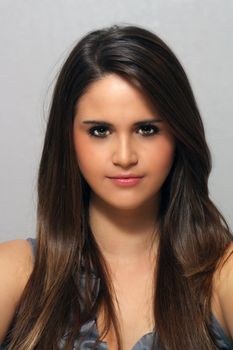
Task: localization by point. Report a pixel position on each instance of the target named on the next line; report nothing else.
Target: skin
(127, 214)
(123, 219)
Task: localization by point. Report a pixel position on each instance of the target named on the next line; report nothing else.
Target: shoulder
(17, 256)
(16, 264)
(225, 287)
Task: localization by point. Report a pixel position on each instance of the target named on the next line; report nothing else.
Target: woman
(130, 251)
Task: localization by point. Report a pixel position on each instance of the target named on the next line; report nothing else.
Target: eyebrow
(102, 122)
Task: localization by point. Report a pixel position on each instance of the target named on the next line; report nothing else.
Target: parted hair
(193, 233)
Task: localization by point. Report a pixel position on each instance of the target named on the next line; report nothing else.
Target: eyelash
(155, 128)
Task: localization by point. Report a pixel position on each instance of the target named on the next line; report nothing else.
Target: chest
(134, 309)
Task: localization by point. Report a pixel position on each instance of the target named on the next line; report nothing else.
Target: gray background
(35, 38)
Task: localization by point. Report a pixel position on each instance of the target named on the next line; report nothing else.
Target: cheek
(163, 156)
(81, 149)
(85, 155)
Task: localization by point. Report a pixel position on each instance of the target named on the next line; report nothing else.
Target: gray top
(144, 343)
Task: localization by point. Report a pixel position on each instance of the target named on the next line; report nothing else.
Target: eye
(150, 129)
(100, 131)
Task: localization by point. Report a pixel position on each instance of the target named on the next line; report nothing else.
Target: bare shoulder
(16, 256)
(225, 288)
(16, 264)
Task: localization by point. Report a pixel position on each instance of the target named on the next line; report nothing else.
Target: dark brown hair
(193, 233)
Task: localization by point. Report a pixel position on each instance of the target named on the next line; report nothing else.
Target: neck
(124, 235)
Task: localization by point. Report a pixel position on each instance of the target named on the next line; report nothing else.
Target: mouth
(126, 181)
(125, 176)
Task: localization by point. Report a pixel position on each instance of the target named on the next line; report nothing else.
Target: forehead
(114, 96)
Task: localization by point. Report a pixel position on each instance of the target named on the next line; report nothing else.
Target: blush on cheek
(81, 145)
(166, 155)
(166, 166)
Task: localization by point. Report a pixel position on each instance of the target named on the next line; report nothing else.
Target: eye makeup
(100, 130)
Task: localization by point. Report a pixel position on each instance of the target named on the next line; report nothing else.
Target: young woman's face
(113, 137)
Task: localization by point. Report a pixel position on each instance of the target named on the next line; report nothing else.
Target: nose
(124, 153)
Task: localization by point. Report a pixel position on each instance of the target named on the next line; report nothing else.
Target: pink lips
(126, 181)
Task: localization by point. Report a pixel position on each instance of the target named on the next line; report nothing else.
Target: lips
(124, 176)
(125, 181)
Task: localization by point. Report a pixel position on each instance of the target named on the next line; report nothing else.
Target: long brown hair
(193, 233)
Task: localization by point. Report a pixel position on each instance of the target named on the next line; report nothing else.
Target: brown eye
(149, 130)
(101, 130)
(98, 131)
